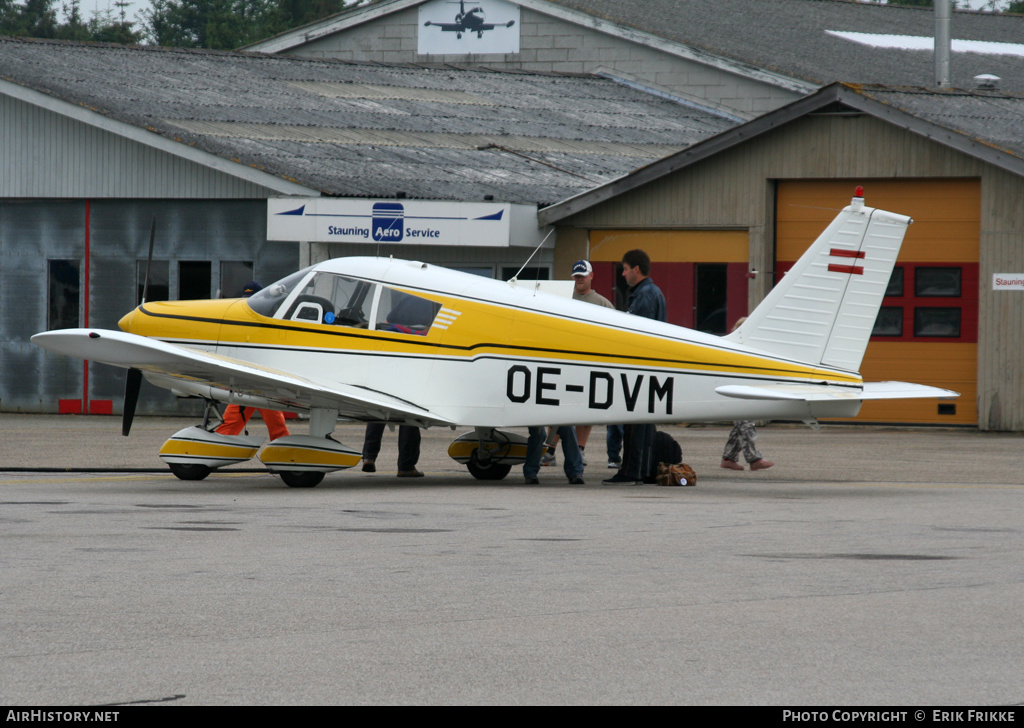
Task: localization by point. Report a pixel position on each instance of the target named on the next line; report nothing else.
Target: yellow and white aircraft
(379, 339)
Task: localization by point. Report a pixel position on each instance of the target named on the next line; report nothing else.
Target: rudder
(824, 309)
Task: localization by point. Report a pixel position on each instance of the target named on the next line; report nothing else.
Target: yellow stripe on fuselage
(481, 329)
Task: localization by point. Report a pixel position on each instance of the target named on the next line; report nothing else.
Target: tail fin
(824, 309)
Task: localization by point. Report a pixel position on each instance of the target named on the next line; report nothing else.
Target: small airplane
(404, 342)
(471, 21)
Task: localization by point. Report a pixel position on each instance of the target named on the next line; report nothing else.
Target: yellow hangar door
(927, 329)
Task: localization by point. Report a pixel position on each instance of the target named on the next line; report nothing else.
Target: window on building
(620, 293)
(194, 279)
(938, 321)
(895, 287)
(234, 274)
(710, 297)
(889, 321)
(929, 302)
(937, 282)
(484, 271)
(159, 280)
(529, 273)
(63, 293)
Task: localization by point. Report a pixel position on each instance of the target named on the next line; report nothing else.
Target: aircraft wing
(195, 372)
(823, 392)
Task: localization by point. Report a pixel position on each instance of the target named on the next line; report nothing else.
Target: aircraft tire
(301, 478)
(187, 471)
(491, 471)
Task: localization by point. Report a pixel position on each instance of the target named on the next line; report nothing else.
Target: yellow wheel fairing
(462, 450)
(194, 445)
(207, 450)
(304, 452)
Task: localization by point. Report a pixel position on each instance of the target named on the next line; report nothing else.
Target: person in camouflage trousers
(742, 439)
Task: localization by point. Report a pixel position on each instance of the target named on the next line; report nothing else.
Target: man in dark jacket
(647, 300)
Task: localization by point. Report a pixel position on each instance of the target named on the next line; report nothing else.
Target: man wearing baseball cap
(583, 276)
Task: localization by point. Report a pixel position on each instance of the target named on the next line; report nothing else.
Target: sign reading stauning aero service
(410, 222)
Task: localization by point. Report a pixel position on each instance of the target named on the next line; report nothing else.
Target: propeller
(133, 382)
(132, 385)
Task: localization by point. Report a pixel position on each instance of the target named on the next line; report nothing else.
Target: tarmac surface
(870, 566)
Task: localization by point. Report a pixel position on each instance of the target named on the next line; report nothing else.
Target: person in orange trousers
(236, 417)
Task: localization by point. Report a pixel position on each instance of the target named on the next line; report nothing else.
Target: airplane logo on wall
(471, 21)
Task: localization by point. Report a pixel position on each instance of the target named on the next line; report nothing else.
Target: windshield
(267, 301)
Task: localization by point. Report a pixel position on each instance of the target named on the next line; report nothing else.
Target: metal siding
(46, 155)
(30, 234)
(1001, 313)
(33, 232)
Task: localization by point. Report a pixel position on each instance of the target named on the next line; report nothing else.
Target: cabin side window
(405, 313)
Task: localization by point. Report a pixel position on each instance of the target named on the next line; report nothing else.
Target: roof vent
(986, 81)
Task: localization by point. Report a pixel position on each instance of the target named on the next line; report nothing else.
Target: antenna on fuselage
(515, 278)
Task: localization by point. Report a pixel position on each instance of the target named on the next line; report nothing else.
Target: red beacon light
(857, 203)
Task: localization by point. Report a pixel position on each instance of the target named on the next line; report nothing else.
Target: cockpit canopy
(331, 299)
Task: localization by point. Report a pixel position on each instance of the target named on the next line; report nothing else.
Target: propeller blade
(149, 262)
(132, 384)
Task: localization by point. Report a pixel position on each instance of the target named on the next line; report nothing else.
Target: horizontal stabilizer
(826, 392)
(905, 390)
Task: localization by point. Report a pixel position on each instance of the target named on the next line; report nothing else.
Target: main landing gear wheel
(186, 471)
(301, 478)
(486, 471)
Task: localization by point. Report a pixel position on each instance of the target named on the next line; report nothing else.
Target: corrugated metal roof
(792, 37)
(371, 130)
(991, 118)
(810, 41)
